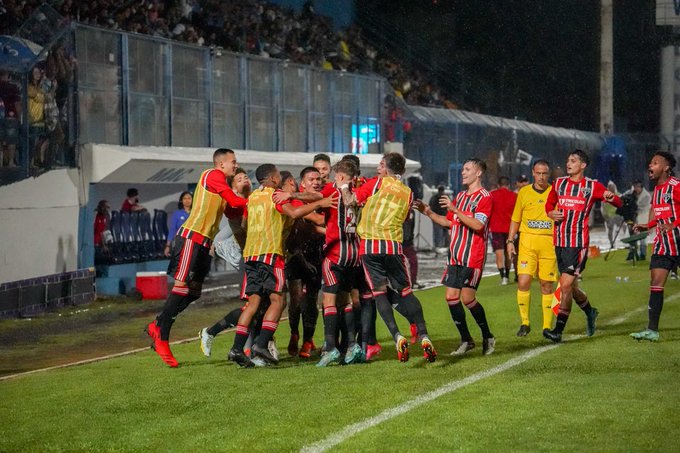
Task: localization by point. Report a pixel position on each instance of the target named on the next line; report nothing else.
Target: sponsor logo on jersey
(573, 203)
(539, 224)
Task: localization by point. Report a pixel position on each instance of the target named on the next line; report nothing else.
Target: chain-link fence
(443, 139)
(37, 87)
(139, 90)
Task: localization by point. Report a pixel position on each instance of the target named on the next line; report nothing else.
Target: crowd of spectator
(247, 26)
(48, 102)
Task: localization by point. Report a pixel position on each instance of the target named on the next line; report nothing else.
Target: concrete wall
(39, 226)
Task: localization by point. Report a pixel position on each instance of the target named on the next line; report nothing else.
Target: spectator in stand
(36, 117)
(102, 232)
(178, 217)
(439, 233)
(54, 135)
(131, 203)
(612, 220)
(520, 182)
(10, 113)
(499, 225)
(62, 69)
(252, 26)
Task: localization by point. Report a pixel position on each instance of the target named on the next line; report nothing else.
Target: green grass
(108, 326)
(606, 393)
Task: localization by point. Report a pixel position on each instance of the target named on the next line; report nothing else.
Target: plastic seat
(118, 245)
(136, 236)
(160, 230)
(128, 238)
(147, 244)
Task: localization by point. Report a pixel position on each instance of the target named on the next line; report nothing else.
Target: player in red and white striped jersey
(303, 269)
(468, 219)
(341, 268)
(569, 205)
(665, 216)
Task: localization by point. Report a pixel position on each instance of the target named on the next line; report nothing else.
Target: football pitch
(604, 393)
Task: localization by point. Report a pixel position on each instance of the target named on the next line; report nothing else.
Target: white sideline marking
(624, 317)
(99, 359)
(217, 288)
(388, 414)
(356, 428)
(133, 351)
(86, 361)
(613, 322)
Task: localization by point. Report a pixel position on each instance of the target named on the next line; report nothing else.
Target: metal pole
(606, 67)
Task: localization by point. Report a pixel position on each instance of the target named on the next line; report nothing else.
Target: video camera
(628, 209)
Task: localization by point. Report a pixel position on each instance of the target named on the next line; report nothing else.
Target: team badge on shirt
(585, 191)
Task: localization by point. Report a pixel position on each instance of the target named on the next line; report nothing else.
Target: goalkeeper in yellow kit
(536, 252)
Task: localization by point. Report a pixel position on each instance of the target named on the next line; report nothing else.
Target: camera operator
(640, 214)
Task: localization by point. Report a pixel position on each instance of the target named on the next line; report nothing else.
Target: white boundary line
(135, 351)
(95, 359)
(102, 358)
(356, 428)
(615, 321)
(388, 414)
(217, 288)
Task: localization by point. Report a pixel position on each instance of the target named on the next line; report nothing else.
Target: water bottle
(625, 279)
(618, 279)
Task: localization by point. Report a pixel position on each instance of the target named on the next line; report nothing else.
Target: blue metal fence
(141, 90)
(134, 90)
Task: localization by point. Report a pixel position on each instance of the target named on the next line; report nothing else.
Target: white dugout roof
(179, 165)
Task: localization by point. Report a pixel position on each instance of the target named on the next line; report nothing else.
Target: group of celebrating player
(345, 238)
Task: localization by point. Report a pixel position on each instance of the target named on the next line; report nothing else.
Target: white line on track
(388, 414)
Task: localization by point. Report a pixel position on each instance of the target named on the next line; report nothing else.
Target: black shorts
(338, 278)
(387, 270)
(571, 260)
(300, 268)
(498, 241)
(460, 277)
(297, 268)
(262, 278)
(667, 262)
(189, 261)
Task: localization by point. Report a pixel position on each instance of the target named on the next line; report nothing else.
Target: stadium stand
(247, 26)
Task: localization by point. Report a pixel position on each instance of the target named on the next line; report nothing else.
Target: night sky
(537, 60)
